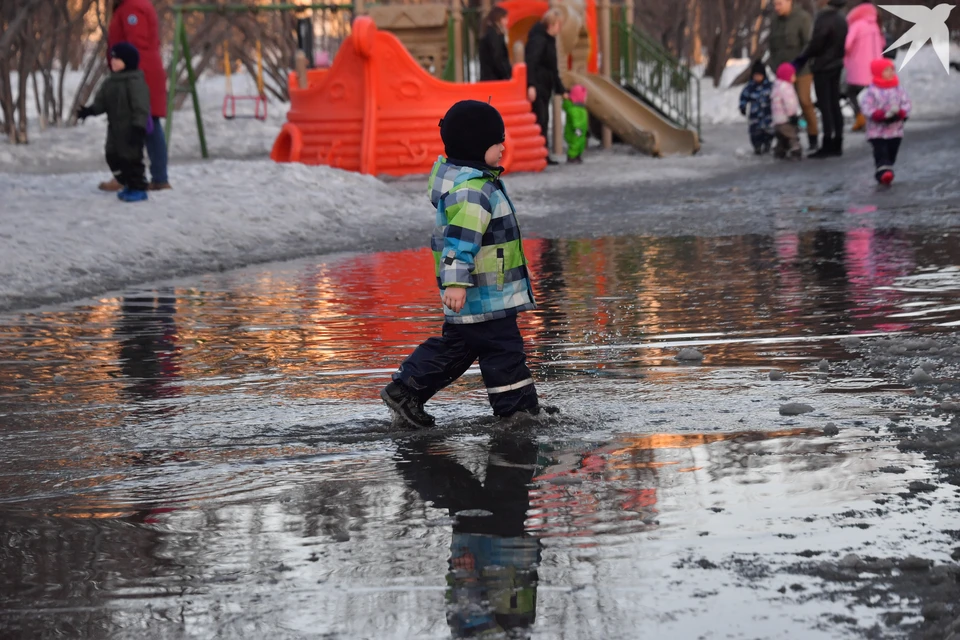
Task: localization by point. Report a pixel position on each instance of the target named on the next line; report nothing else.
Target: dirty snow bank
(62, 239)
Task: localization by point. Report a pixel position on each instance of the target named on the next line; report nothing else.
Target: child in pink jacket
(785, 107)
(865, 43)
(887, 107)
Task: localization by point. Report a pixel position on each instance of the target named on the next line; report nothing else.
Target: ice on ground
(934, 93)
(63, 239)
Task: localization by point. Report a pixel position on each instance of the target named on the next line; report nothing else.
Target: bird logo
(928, 24)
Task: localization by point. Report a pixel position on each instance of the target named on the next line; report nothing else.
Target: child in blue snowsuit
(756, 97)
(482, 274)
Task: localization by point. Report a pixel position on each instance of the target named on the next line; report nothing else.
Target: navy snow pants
(503, 364)
(885, 154)
(759, 135)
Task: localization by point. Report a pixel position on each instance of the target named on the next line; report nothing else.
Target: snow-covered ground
(934, 93)
(62, 239)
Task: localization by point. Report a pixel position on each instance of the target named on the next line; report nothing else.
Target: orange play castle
(377, 111)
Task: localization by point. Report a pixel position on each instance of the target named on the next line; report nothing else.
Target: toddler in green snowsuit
(578, 121)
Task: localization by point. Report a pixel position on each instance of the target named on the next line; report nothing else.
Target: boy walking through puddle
(482, 275)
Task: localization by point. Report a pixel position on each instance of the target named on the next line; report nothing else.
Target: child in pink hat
(785, 107)
(887, 106)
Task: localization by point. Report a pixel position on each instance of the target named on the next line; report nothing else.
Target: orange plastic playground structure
(377, 111)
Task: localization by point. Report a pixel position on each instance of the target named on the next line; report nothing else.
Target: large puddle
(210, 458)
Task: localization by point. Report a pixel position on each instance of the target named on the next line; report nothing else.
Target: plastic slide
(634, 122)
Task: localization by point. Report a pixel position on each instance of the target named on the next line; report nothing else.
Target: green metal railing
(656, 76)
(641, 64)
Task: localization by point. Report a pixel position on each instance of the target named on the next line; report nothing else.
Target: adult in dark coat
(494, 56)
(135, 21)
(789, 34)
(543, 72)
(827, 48)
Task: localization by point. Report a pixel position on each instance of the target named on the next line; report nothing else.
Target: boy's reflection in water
(493, 564)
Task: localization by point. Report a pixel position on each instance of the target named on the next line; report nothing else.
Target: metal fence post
(172, 73)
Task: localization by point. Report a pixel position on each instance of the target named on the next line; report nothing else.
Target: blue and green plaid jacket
(476, 244)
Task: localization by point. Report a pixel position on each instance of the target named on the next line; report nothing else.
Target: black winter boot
(814, 144)
(825, 151)
(837, 148)
(407, 406)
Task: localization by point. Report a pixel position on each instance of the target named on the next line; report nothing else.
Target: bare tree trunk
(36, 99)
(6, 101)
(718, 47)
(63, 72)
(695, 32)
(22, 73)
(12, 29)
(757, 27)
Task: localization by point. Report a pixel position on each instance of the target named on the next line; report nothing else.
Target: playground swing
(230, 99)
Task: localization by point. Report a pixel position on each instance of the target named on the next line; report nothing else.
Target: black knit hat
(758, 67)
(126, 52)
(469, 128)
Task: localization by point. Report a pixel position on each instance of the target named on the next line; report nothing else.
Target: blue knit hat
(126, 52)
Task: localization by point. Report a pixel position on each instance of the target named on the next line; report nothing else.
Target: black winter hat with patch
(759, 67)
(469, 128)
(126, 52)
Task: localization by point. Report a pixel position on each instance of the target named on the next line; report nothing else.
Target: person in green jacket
(481, 273)
(578, 122)
(125, 98)
(790, 30)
